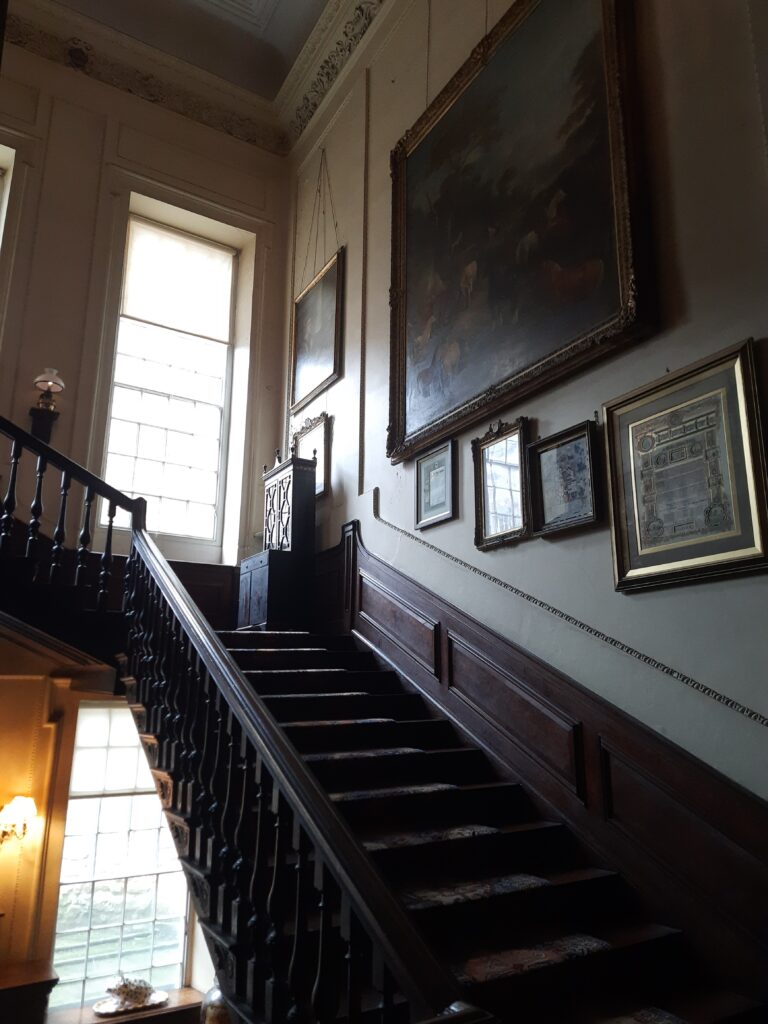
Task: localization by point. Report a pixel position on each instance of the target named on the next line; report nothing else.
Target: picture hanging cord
(323, 192)
(429, 48)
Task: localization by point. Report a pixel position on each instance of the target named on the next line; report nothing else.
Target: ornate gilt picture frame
(687, 475)
(313, 439)
(501, 486)
(318, 314)
(517, 256)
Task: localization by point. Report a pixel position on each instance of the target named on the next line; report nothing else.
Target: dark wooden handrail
(76, 471)
(421, 976)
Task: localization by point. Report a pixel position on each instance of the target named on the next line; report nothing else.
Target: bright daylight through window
(169, 400)
(122, 897)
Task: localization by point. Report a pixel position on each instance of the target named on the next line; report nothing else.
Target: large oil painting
(514, 259)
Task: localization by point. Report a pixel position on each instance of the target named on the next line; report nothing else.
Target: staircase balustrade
(300, 924)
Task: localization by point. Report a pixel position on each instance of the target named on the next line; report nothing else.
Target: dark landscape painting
(506, 247)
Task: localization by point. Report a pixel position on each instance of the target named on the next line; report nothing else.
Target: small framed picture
(501, 498)
(316, 341)
(687, 475)
(313, 440)
(435, 486)
(563, 480)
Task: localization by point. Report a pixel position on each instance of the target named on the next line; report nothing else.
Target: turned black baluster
(258, 889)
(227, 852)
(182, 715)
(356, 941)
(9, 502)
(169, 686)
(59, 534)
(194, 724)
(326, 993)
(279, 907)
(209, 765)
(84, 540)
(244, 844)
(299, 978)
(384, 983)
(36, 510)
(106, 562)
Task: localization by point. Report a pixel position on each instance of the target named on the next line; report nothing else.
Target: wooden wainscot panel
(400, 623)
(657, 820)
(547, 735)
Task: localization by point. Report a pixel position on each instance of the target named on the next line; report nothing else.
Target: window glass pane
(88, 769)
(123, 897)
(178, 281)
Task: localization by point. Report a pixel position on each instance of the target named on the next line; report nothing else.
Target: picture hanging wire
(323, 196)
(429, 47)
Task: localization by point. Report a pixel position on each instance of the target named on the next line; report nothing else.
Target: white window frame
(167, 536)
(130, 193)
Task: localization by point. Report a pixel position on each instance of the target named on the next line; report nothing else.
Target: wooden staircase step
(544, 975)
(255, 639)
(297, 658)
(287, 682)
(345, 706)
(491, 803)
(450, 910)
(401, 765)
(702, 1005)
(427, 734)
(471, 849)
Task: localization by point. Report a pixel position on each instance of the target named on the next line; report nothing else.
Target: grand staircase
(531, 929)
(352, 856)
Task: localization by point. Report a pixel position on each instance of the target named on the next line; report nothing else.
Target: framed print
(436, 486)
(500, 485)
(687, 474)
(316, 341)
(517, 255)
(562, 480)
(313, 440)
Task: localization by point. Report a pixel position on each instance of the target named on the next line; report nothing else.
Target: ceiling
(250, 43)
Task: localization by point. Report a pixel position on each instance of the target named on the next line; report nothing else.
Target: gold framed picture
(316, 338)
(313, 440)
(687, 476)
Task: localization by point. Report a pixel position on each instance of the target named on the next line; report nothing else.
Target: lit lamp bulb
(49, 383)
(16, 817)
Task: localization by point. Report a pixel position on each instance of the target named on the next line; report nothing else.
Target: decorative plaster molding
(631, 652)
(112, 58)
(336, 36)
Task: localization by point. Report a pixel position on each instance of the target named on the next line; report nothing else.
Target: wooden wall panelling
(694, 844)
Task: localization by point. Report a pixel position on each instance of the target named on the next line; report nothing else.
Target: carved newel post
(276, 585)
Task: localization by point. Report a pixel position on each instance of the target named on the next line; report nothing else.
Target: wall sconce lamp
(44, 415)
(16, 817)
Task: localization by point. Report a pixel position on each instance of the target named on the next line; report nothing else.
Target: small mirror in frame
(500, 484)
(313, 438)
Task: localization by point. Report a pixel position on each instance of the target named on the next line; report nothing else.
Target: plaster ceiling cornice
(57, 33)
(328, 48)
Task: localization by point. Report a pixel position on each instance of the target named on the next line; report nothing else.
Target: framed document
(501, 498)
(687, 475)
(435, 486)
(563, 480)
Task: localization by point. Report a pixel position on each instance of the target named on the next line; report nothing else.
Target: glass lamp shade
(49, 383)
(15, 817)
(214, 1007)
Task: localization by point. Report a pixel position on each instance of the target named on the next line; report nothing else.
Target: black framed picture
(517, 255)
(317, 329)
(687, 474)
(501, 498)
(563, 480)
(313, 440)
(436, 486)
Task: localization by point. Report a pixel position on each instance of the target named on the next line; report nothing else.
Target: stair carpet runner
(507, 899)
